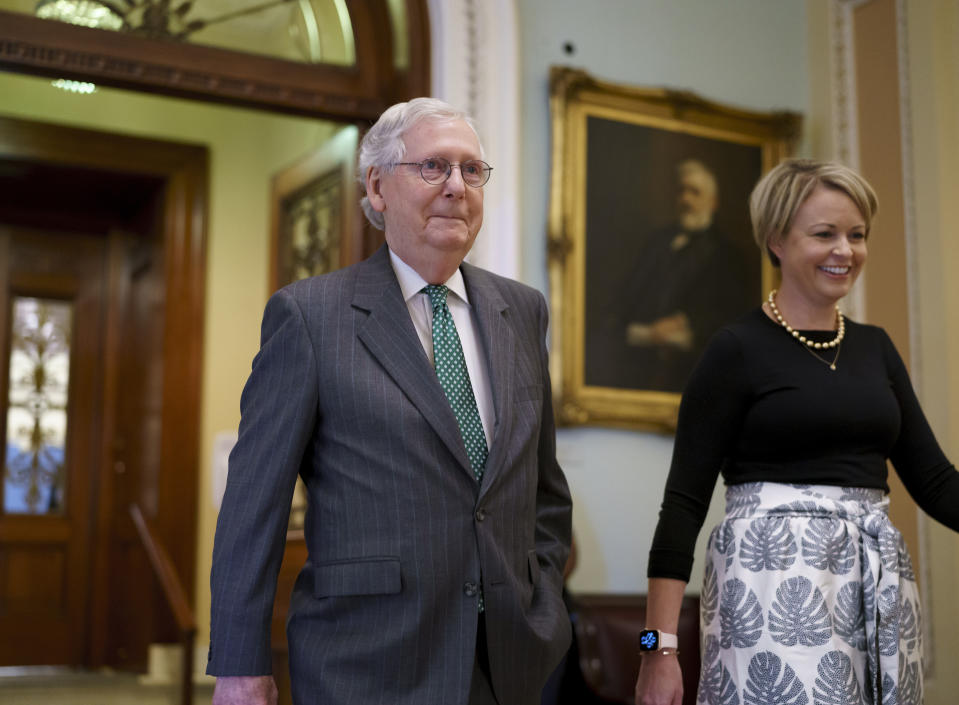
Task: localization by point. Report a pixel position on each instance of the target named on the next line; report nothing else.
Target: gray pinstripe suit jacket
(342, 393)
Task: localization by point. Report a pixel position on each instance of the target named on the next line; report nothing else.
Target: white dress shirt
(421, 311)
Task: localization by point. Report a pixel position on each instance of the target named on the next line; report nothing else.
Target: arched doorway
(169, 304)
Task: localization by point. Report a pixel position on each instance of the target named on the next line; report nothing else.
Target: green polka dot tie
(455, 379)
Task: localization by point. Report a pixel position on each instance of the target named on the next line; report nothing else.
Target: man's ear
(374, 192)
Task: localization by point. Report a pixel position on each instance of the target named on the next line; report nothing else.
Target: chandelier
(157, 19)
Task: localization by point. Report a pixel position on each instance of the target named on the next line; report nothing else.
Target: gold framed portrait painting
(650, 246)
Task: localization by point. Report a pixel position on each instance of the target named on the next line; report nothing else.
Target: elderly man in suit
(411, 393)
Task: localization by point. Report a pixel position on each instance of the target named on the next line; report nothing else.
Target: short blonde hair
(780, 193)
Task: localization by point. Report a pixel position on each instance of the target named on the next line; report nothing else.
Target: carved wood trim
(42, 47)
(169, 490)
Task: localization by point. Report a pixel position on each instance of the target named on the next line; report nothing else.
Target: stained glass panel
(312, 225)
(34, 472)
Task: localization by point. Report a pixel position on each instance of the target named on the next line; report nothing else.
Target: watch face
(648, 640)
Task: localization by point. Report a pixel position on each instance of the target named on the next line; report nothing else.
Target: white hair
(694, 166)
(383, 145)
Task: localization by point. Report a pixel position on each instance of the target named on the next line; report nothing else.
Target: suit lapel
(499, 344)
(389, 335)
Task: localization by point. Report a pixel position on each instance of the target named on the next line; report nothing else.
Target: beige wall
(909, 128)
(878, 102)
(933, 79)
(246, 148)
(751, 54)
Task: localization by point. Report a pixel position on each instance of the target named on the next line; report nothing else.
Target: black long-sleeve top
(761, 407)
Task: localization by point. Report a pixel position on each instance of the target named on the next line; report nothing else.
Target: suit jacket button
(480, 514)
(469, 588)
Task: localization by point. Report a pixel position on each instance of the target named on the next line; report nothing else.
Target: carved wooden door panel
(52, 310)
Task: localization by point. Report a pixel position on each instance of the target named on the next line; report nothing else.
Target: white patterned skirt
(809, 597)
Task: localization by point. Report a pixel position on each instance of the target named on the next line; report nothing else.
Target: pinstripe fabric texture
(398, 529)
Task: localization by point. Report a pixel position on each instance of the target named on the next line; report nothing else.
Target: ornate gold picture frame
(650, 248)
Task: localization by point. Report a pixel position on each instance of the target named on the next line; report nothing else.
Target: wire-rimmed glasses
(436, 170)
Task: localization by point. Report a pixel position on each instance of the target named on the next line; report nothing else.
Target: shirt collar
(412, 283)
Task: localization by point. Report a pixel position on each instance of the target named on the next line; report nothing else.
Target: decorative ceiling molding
(60, 50)
(173, 79)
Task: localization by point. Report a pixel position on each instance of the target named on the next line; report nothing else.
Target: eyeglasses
(436, 170)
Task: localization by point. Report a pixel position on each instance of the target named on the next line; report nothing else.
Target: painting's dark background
(631, 192)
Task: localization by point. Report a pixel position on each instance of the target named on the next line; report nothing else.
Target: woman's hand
(660, 680)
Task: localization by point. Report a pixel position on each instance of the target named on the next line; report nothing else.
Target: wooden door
(52, 309)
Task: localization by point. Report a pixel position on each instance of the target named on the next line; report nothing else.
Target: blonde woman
(809, 594)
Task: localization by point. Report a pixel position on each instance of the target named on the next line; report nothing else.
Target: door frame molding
(182, 230)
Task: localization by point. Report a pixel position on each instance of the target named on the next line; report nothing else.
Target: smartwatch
(654, 640)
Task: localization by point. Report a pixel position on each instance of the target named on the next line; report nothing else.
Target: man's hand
(245, 690)
(672, 331)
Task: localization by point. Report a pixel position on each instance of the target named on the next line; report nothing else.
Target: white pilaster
(475, 66)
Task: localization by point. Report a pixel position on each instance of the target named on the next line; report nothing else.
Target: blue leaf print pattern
(709, 600)
(826, 546)
(729, 543)
(768, 545)
(873, 524)
(910, 685)
(728, 695)
(799, 615)
(710, 671)
(890, 694)
(909, 631)
(889, 550)
(837, 683)
(740, 616)
(723, 538)
(888, 621)
(859, 494)
(716, 685)
(868, 581)
(804, 508)
(743, 500)
(906, 571)
(849, 618)
(764, 686)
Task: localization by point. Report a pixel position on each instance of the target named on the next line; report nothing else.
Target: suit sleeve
(554, 507)
(278, 415)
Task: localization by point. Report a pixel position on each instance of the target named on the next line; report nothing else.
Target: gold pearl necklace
(812, 345)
